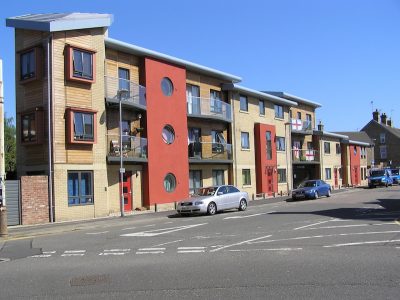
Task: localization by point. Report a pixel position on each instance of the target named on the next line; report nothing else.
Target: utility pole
(3, 210)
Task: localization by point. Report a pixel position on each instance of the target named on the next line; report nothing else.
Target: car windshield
(377, 173)
(395, 171)
(209, 191)
(308, 184)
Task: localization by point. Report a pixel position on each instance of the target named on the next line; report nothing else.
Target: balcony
(134, 149)
(212, 153)
(300, 156)
(207, 108)
(132, 94)
(299, 126)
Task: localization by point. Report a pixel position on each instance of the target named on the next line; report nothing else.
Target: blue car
(379, 177)
(395, 175)
(312, 189)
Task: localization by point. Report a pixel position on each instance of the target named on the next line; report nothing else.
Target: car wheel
(329, 193)
(211, 208)
(242, 205)
(316, 196)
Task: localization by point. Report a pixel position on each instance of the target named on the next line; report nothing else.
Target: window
(244, 105)
(298, 115)
(195, 180)
(281, 175)
(383, 151)
(82, 64)
(355, 150)
(218, 177)
(278, 111)
(261, 107)
(168, 134)
(28, 128)
(246, 180)
(29, 65)
(82, 126)
(167, 87)
(124, 83)
(80, 188)
(169, 183)
(308, 124)
(216, 103)
(232, 189)
(338, 149)
(382, 138)
(268, 138)
(218, 141)
(340, 173)
(245, 140)
(280, 143)
(290, 114)
(327, 148)
(328, 174)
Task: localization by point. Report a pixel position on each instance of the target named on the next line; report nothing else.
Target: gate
(13, 203)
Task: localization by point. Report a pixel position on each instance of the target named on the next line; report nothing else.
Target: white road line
(354, 225)
(177, 241)
(129, 228)
(73, 254)
(324, 236)
(74, 251)
(248, 216)
(112, 253)
(162, 231)
(168, 222)
(151, 225)
(117, 250)
(361, 243)
(41, 256)
(241, 243)
(149, 252)
(151, 249)
(190, 248)
(95, 233)
(191, 251)
(272, 249)
(49, 252)
(312, 225)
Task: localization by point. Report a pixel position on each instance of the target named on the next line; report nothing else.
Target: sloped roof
(360, 136)
(392, 130)
(294, 98)
(60, 21)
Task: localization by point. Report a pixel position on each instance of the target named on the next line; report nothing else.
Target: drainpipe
(49, 124)
(234, 139)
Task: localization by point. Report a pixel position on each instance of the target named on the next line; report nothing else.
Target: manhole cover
(89, 280)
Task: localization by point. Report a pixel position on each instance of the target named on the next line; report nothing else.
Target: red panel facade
(266, 169)
(355, 157)
(161, 111)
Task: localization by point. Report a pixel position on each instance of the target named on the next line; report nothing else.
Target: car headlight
(198, 203)
(312, 191)
(383, 179)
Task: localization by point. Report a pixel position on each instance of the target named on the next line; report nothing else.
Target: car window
(223, 190)
(310, 184)
(232, 189)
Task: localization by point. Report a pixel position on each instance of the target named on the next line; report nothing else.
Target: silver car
(214, 198)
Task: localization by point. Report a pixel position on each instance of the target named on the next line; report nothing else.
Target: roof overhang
(136, 50)
(330, 134)
(294, 98)
(258, 94)
(352, 142)
(60, 21)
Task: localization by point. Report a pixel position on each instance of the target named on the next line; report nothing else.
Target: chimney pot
(389, 122)
(383, 119)
(375, 115)
(320, 126)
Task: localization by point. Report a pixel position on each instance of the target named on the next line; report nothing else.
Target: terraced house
(117, 127)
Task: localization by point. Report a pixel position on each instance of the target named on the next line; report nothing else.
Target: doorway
(127, 190)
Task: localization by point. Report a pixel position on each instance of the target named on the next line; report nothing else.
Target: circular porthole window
(170, 183)
(167, 87)
(168, 134)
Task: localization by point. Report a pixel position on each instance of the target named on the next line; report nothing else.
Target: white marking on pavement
(112, 253)
(151, 249)
(354, 225)
(273, 249)
(240, 243)
(177, 241)
(129, 228)
(311, 225)
(151, 225)
(149, 252)
(94, 233)
(74, 253)
(49, 252)
(361, 243)
(162, 231)
(191, 251)
(41, 256)
(248, 216)
(168, 222)
(190, 248)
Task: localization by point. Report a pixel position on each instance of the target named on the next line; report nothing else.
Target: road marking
(41, 256)
(74, 253)
(151, 225)
(361, 243)
(49, 252)
(129, 228)
(169, 222)
(311, 225)
(249, 216)
(188, 248)
(191, 249)
(162, 231)
(151, 249)
(177, 241)
(94, 233)
(115, 252)
(271, 249)
(112, 253)
(149, 252)
(354, 225)
(240, 243)
(324, 236)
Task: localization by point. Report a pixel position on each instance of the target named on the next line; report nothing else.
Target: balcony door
(193, 99)
(195, 180)
(194, 136)
(124, 83)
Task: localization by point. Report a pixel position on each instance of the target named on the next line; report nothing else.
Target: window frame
(245, 134)
(215, 101)
(246, 172)
(215, 173)
(70, 64)
(327, 150)
(382, 138)
(38, 117)
(279, 109)
(280, 180)
(218, 141)
(278, 142)
(328, 173)
(91, 195)
(37, 74)
(240, 103)
(192, 181)
(338, 148)
(261, 107)
(71, 126)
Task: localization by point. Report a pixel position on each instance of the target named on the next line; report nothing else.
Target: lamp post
(3, 210)
(121, 94)
(289, 147)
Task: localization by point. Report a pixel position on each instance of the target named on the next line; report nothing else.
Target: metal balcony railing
(132, 146)
(129, 92)
(299, 155)
(209, 151)
(299, 125)
(209, 108)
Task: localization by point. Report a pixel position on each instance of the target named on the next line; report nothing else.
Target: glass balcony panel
(208, 108)
(128, 91)
(300, 155)
(132, 146)
(209, 151)
(299, 125)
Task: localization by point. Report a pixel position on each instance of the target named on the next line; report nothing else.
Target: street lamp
(122, 94)
(289, 145)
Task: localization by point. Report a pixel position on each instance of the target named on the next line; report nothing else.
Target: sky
(342, 54)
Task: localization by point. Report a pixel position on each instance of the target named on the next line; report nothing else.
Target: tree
(10, 148)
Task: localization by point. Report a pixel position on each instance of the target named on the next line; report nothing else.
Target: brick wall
(34, 200)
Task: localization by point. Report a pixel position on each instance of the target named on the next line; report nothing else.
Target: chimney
(320, 126)
(383, 119)
(375, 115)
(389, 122)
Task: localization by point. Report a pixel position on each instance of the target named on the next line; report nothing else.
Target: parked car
(379, 177)
(395, 175)
(312, 189)
(212, 199)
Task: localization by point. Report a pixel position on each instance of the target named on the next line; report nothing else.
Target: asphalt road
(343, 247)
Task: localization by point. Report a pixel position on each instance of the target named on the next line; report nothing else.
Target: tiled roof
(360, 136)
(392, 130)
